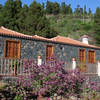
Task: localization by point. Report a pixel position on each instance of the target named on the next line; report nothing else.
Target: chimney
(85, 39)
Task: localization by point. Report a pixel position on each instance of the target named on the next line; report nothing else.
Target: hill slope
(72, 26)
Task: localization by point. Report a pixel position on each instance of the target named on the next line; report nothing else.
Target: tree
(69, 9)
(36, 21)
(49, 7)
(90, 12)
(0, 6)
(55, 8)
(85, 12)
(33, 17)
(1, 17)
(28, 20)
(18, 8)
(81, 11)
(97, 26)
(77, 10)
(8, 12)
(21, 20)
(63, 8)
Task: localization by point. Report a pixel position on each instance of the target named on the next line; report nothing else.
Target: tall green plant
(97, 26)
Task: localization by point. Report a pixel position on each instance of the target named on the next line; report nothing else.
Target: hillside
(72, 26)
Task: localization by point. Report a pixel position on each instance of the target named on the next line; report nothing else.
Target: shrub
(48, 79)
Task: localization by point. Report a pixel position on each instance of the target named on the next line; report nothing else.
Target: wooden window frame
(46, 51)
(19, 50)
(84, 59)
(94, 56)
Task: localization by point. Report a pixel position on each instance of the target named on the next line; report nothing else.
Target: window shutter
(49, 51)
(12, 49)
(82, 55)
(91, 56)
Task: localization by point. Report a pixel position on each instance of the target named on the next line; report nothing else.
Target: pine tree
(63, 8)
(0, 6)
(97, 26)
(90, 12)
(18, 8)
(69, 9)
(1, 17)
(8, 12)
(36, 21)
(21, 20)
(85, 12)
(81, 11)
(77, 10)
(55, 8)
(49, 7)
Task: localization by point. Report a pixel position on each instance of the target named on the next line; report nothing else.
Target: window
(91, 56)
(12, 49)
(82, 55)
(49, 52)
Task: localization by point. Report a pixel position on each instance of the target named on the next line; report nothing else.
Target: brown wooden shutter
(49, 52)
(82, 55)
(91, 56)
(12, 49)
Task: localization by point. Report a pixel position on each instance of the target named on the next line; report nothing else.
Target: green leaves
(97, 26)
(28, 20)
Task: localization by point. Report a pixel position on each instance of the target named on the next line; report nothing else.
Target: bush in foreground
(50, 79)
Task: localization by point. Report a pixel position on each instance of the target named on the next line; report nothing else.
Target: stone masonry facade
(30, 49)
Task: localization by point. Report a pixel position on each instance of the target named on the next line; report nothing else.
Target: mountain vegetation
(51, 19)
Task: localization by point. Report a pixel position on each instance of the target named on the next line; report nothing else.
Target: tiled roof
(8, 32)
(58, 39)
(66, 40)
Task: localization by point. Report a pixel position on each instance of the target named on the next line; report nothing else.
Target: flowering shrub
(90, 90)
(51, 79)
(48, 79)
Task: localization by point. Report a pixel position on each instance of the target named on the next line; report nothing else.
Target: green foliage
(85, 12)
(77, 10)
(7, 15)
(49, 7)
(63, 8)
(90, 12)
(97, 26)
(18, 97)
(52, 8)
(71, 26)
(28, 20)
(56, 8)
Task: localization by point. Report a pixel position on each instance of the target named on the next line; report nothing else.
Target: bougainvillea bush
(48, 79)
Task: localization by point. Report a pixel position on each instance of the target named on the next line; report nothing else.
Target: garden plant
(52, 79)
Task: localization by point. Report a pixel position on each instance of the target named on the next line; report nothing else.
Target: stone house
(14, 44)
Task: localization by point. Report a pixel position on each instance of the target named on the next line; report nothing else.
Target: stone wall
(30, 49)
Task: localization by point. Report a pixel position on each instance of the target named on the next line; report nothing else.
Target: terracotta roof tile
(8, 32)
(72, 42)
(5, 31)
(59, 39)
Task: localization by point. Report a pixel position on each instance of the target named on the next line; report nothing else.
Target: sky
(93, 4)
